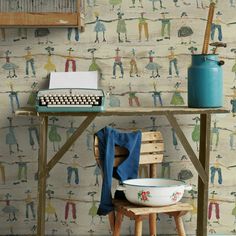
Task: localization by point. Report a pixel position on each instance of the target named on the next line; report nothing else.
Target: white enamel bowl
(153, 192)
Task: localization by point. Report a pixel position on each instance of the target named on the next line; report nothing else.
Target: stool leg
(138, 226)
(179, 225)
(118, 222)
(111, 217)
(152, 224)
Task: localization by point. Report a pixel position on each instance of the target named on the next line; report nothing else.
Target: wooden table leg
(42, 164)
(204, 158)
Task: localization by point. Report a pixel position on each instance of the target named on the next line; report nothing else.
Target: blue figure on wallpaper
(156, 96)
(153, 66)
(154, 126)
(232, 139)
(217, 24)
(10, 67)
(174, 139)
(233, 101)
(30, 205)
(215, 135)
(232, 3)
(173, 62)
(92, 3)
(70, 61)
(114, 101)
(29, 62)
(11, 138)
(118, 62)
(216, 169)
(196, 132)
(73, 169)
(9, 209)
(14, 100)
(54, 136)
(99, 28)
(76, 33)
(89, 137)
(97, 172)
(154, 8)
(33, 134)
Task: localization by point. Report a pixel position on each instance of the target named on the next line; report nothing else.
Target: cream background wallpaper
(58, 50)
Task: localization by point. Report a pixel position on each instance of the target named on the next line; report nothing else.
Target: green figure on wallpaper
(177, 98)
(133, 64)
(234, 66)
(196, 132)
(49, 66)
(165, 26)
(29, 62)
(153, 66)
(114, 3)
(9, 209)
(121, 27)
(54, 136)
(94, 66)
(143, 25)
(9, 66)
(215, 135)
(93, 209)
(234, 209)
(133, 97)
(22, 170)
(134, 1)
(33, 94)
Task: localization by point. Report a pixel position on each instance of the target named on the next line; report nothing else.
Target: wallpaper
(141, 50)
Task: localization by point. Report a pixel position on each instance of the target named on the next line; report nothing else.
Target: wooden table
(201, 164)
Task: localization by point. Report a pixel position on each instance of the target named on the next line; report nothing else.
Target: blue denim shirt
(107, 139)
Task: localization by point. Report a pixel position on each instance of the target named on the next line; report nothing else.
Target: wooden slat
(137, 210)
(38, 19)
(145, 148)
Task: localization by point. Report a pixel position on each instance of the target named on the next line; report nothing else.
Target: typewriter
(70, 100)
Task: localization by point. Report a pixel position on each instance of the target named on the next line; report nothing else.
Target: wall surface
(142, 61)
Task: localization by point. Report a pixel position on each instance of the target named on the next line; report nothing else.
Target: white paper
(80, 79)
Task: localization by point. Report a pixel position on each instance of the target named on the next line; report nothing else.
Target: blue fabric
(107, 139)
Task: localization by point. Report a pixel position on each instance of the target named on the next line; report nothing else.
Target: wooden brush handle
(208, 28)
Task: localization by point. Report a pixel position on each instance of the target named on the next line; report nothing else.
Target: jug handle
(220, 63)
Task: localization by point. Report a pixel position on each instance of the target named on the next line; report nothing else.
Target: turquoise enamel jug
(205, 81)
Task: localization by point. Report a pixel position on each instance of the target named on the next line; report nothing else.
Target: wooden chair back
(152, 149)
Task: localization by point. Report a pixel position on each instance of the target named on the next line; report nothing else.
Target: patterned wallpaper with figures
(141, 50)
